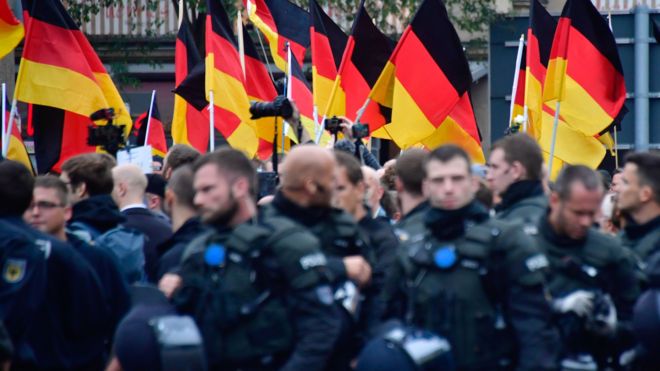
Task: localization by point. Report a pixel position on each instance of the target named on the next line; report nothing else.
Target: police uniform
(599, 264)
(340, 237)
(523, 201)
(478, 282)
(412, 223)
(260, 297)
(22, 285)
(642, 239)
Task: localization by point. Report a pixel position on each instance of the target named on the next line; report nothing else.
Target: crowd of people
(429, 262)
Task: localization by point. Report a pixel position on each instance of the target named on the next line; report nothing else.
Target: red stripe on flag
(224, 53)
(322, 56)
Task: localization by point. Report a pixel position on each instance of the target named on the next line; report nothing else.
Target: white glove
(580, 302)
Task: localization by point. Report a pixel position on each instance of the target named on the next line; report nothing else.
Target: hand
(346, 127)
(169, 284)
(580, 302)
(357, 269)
(605, 324)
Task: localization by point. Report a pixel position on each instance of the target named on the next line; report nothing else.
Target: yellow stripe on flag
(451, 132)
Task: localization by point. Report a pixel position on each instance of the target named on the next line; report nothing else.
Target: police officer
(515, 171)
(475, 280)
(254, 284)
(73, 313)
(305, 196)
(639, 200)
(587, 269)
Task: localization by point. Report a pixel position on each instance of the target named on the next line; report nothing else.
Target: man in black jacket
(128, 192)
(186, 224)
(515, 171)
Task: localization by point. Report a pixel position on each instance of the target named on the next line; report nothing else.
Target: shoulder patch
(14, 270)
(316, 259)
(536, 262)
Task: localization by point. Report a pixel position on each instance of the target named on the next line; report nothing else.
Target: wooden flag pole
(211, 122)
(151, 111)
(554, 137)
(514, 88)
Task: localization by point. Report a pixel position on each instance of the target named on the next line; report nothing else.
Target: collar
(451, 224)
(307, 216)
(636, 231)
(420, 208)
(133, 206)
(547, 231)
(518, 191)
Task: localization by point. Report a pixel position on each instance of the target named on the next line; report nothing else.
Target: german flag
(328, 45)
(539, 44)
(281, 21)
(301, 94)
(11, 29)
(423, 81)
(365, 56)
(224, 76)
(189, 125)
(60, 69)
(156, 133)
(16, 148)
(260, 87)
(584, 71)
(58, 135)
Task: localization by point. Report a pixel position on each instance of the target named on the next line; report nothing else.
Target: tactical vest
(643, 247)
(461, 299)
(528, 210)
(240, 309)
(577, 268)
(340, 236)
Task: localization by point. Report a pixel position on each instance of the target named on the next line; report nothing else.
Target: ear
(553, 200)
(310, 186)
(169, 196)
(518, 170)
(645, 193)
(68, 212)
(398, 184)
(474, 183)
(81, 190)
(240, 188)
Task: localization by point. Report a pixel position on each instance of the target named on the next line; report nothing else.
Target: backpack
(126, 243)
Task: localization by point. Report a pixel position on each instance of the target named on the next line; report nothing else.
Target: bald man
(128, 192)
(375, 191)
(305, 196)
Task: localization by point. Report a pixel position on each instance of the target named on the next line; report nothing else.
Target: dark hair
(648, 170)
(351, 164)
(92, 169)
(447, 153)
(181, 183)
(53, 182)
(179, 155)
(522, 148)
(233, 162)
(410, 169)
(16, 184)
(573, 174)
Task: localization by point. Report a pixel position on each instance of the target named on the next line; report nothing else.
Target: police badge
(14, 270)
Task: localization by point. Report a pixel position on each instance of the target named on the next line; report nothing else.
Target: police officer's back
(410, 174)
(254, 284)
(473, 279)
(587, 268)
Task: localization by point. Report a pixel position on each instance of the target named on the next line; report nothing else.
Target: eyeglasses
(45, 205)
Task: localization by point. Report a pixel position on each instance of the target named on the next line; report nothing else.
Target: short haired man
(73, 310)
(410, 174)
(130, 185)
(639, 200)
(154, 195)
(49, 212)
(586, 265)
(177, 156)
(254, 284)
(186, 224)
(440, 276)
(515, 173)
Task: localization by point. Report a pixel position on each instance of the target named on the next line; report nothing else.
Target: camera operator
(591, 278)
(352, 142)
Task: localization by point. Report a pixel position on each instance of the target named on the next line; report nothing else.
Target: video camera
(110, 137)
(358, 130)
(278, 107)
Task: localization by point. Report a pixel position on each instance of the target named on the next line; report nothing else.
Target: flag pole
(181, 10)
(616, 142)
(514, 88)
(241, 45)
(285, 125)
(211, 121)
(151, 111)
(554, 137)
(4, 117)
